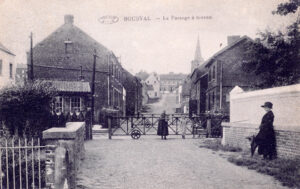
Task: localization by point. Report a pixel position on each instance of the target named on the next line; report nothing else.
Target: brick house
(67, 54)
(221, 73)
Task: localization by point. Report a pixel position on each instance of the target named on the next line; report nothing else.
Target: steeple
(198, 56)
(198, 60)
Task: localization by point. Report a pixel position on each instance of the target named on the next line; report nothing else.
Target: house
(72, 95)
(68, 54)
(134, 95)
(7, 67)
(154, 80)
(220, 73)
(170, 82)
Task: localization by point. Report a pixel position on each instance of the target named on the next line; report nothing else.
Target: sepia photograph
(161, 94)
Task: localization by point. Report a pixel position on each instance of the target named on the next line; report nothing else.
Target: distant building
(185, 96)
(7, 67)
(154, 81)
(170, 82)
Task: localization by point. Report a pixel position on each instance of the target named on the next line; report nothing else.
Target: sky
(153, 44)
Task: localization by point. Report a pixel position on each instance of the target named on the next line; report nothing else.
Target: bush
(26, 109)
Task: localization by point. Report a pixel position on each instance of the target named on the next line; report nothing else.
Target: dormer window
(68, 46)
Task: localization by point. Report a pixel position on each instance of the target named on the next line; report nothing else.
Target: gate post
(109, 126)
(209, 127)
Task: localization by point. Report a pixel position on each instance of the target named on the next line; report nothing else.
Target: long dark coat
(162, 129)
(58, 120)
(265, 138)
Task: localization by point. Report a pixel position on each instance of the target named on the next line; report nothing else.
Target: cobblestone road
(151, 163)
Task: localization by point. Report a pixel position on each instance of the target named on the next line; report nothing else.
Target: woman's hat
(267, 105)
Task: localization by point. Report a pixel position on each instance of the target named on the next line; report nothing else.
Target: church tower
(198, 60)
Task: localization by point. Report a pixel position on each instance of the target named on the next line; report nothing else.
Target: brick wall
(288, 141)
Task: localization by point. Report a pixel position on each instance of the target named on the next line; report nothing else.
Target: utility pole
(108, 80)
(31, 76)
(93, 85)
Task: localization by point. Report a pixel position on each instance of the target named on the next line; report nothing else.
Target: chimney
(232, 38)
(69, 19)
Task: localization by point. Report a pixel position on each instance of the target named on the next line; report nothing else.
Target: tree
(143, 75)
(25, 110)
(289, 7)
(276, 56)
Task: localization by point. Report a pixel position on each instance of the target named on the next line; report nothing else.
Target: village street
(153, 163)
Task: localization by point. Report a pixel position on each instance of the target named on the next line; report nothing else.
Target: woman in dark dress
(163, 126)
(265, 138)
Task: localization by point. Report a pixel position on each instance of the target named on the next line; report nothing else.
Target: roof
(5, 49)
(71, 86)
(228, 47)
(52, 50)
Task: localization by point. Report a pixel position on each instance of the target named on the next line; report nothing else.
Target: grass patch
(215, 145)
(286, 171)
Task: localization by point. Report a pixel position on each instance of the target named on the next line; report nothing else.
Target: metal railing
(22, 164)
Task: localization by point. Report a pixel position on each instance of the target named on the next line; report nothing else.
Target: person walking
(163, 130)
(265, 138)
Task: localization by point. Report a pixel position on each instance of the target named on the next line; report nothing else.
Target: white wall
(245, 107)
(4, 76)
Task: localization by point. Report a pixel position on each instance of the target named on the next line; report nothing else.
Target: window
(68, 46)
(75, 103)
(209, 75)
(11, 70)
(0, 67)
(58, 103)
(155, 94)
(214, 72)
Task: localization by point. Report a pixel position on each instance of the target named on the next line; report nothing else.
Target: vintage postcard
(161, 94)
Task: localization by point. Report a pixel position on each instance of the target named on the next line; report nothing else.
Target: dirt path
(151, 163)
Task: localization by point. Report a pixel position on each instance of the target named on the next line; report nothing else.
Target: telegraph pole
(93, 85)
(31, 76)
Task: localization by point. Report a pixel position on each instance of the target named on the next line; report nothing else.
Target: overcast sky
(155, 45)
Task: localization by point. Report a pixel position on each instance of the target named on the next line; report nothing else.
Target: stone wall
(65, 154)
(246, 115)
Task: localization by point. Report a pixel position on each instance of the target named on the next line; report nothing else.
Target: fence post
(50, 166)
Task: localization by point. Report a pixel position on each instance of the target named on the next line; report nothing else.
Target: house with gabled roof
(67, 54)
